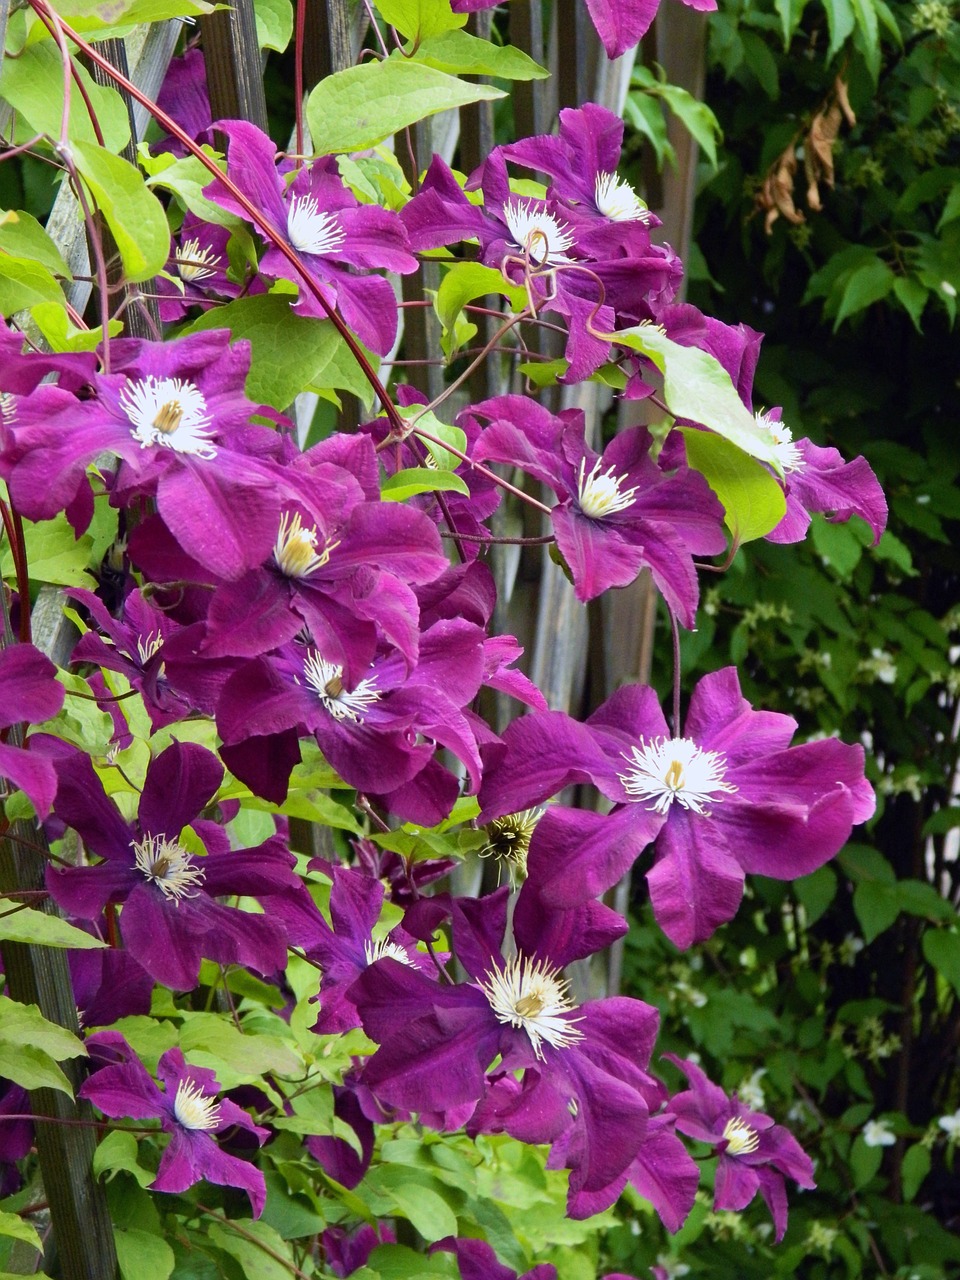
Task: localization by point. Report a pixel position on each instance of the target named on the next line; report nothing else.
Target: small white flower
(877, 1133)
(750, 1091)
(951, 1126)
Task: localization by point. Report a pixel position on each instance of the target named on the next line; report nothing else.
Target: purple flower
(477, 1261)
(184, 96)
(617, 512)
(200, 262)
(29, 692)
(319, 217)
(585, 1080)
(818, 479)
(347, 1251)
(176, 415)
(754, 1154)
(729, 797)
(620, 24)
(187, 1109)
(171, 918)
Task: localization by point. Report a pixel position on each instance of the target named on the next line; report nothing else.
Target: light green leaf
(25, 1025)
(644, 111)
(80, 720)
(864, 1162)
(427, 421)
(696, 117)
(942, 950)
(462, 284)
(274, 23)
(254, 1261)
(141, 1255)
(62, 334)
(869, 30)
(696, 386)
(22, 236)
(840, 22)
(57, 556)
(460, 53)
(397, 1262)
(186, 178)
(876, 906)
(412, 480)
(413, 1196)
(133, 213)
(753, 501)
(290, 353)
(420, 19)
(912, 296)
(237, 1058)
(29, 925)
(120, 1150)
(13, 1227)
(111, 13)
(31, 1068)
(24, 283)
(33, 86)
(359, 107)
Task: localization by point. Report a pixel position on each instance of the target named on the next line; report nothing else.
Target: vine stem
(263, 225)
(675, 631)
(479, 468)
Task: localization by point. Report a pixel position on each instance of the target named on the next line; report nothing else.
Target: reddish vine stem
(262, 224)
(298, 76)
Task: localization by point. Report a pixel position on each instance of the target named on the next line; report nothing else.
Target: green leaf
(942, 950)
(186, 178)
(912, 296)
(413, 1194)
(876, 906)
(274, 23)
(696, 117)
(645, 112)
(915, 1167)
(861, 862)
(290, 353)
(460, 53)
(22, 236)
(29, 925)
(428, 422)
(237, 1058)
(420, 19)
(25, 1025)
(840, 21)
(869, 31)
(837, 545)
(753, 501)
(120, 1150)
(696, 386)
(24, 283)
(104, 16)
(133, 213)
(13, 1227)
(816, 891)
(141, 1255)
(56, 555)
(359, 107)
(397, 1262)
(31, 1068)
(761, 62)
(462, 284)
(863, 286)
(864, 1162)
(412, 480)
(33, 86)
(255, 1262)
(62, 334)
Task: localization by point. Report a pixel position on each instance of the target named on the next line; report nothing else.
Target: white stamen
(531, 995)
(192, 1109)
(382, 948)
(147, 646)
(671, 769)
(618, 201)
(295, 549)
(536, 232)
(326, 680)
(8, 408)
(194, 263)
(168, 865)
(788, 455)
(168, 412)
(742, 1139)
(311, 231)
(599, 493)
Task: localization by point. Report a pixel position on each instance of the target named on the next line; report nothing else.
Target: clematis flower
(320, 217)
(620, 24)
(346, 949)
(347, 1251)
(199, 261)
(171, 918)
(617, 512)
(29, 692)
(585, 1067)
(176, 416)
(729, 796)
(754, 1154)
(818, 479)
(582, 159)
(478, 1261)
(379, 733)
(187, 1108)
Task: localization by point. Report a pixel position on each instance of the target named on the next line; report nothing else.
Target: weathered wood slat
(231, 53)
